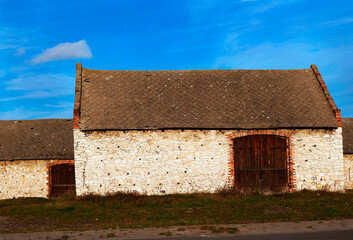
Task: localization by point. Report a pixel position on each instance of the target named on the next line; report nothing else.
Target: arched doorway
(62, 179)
(261, 163)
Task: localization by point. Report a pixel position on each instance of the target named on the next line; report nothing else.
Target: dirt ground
(188, 231)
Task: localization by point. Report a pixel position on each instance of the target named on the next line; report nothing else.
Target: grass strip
(131, 210)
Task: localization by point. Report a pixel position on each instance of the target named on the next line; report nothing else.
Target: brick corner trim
(336, 111)
(292, 182)
(78, 87)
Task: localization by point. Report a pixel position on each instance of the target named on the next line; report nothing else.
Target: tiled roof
(202, 99)
(347, 128)
(36, 139)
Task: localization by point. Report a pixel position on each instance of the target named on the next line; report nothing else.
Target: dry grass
(132, 210)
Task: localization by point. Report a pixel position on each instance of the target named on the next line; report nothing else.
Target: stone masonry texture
(24, 178)
(348, 161)
(318, 158)
(177, 161)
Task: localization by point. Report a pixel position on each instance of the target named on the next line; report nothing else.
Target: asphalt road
(325, 235)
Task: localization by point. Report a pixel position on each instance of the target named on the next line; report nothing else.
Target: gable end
(336, 111)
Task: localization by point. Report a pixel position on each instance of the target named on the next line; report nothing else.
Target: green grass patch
(111, 235)
(130, 210)
(214, 229)
(165, 233)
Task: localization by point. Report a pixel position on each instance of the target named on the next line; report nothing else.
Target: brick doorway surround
(288, 134)
(49, 177)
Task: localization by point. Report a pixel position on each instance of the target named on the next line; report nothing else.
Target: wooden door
(261, 163)
(62, 178)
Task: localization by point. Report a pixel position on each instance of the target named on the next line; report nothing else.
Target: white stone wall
(175, 161)
(348, 162)
(151, 162)
(318, 156)
(23, 178)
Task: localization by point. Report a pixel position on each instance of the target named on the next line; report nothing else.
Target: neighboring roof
(36, 139)
(347, 128)
(201, 99)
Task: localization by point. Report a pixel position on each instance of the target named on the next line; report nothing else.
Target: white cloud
(20, 51)
(64, 51)
(40, 86)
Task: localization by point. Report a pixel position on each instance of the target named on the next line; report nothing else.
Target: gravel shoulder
(189, 231)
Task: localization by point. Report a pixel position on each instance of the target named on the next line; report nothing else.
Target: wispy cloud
(272, 4)
(20, 51)
(4, 46)
(40, 86)
(16, 114)
(20, 113)
(12, 38)
(2, 73)
(19, 68)
(33, 95)
(285, 55)
(60, 105)
(268, 6)
(337, 22)
(333, 62)
(64, 51)
(40, 82)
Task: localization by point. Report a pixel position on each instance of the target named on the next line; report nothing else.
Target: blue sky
(40, 42)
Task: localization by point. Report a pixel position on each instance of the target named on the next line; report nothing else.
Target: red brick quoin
(77, 95)
(49, 183)
(292, 185)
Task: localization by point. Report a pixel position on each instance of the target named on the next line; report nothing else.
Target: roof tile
(36, 139)
(203, 99)
(347, 128)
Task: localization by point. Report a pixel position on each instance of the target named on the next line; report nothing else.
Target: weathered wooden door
(62, 180)
(261, 163)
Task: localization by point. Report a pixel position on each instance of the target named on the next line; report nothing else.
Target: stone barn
(162, 132)
(36, 158)
(347, 126)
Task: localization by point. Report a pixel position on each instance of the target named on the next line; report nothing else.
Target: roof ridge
(191, 70)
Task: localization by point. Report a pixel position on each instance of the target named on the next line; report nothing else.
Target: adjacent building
(347, 124)
(36, 158)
